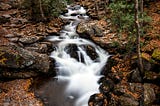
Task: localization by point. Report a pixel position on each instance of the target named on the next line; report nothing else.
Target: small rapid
(77, 71)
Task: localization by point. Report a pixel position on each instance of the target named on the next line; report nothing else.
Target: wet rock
(110, 63)
(106, 86)
(72, 49)
(49, 46)
(29, 39)
(91, 52)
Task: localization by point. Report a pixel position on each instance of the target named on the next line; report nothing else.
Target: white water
(82, 73)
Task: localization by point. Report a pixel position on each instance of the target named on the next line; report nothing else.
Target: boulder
(106, 86)
(98, 100)
(16, 62)
(131, 94)
(89, 29)
(149, 94)
(127, 94)
(72, 49)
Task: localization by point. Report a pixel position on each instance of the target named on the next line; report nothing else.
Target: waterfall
(76, 68)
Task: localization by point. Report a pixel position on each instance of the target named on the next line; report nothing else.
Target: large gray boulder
(18, 62)
(88, 29)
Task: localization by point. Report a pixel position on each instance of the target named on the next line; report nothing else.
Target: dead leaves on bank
(16, 93)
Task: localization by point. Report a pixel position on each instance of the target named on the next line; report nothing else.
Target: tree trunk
(141, 11)
(41, 10)
(140, 64)
(141, 16)
(137, 25)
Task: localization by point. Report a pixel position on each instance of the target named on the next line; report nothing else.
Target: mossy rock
(156, 54)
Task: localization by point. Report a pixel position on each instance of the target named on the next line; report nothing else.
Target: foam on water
(82, 76)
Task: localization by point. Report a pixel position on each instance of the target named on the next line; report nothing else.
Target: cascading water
(78, 71)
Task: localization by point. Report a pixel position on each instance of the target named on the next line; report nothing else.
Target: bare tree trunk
(141, 11)
(138, 38)
(41, 9)
(140, 64)
(141, 15)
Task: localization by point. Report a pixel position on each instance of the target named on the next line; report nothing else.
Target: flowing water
(78, 72)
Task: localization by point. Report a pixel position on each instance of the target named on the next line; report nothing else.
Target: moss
(156, 54)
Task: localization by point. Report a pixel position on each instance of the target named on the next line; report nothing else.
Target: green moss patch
(156, 54)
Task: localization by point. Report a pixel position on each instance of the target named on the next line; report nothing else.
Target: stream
(79, 63)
